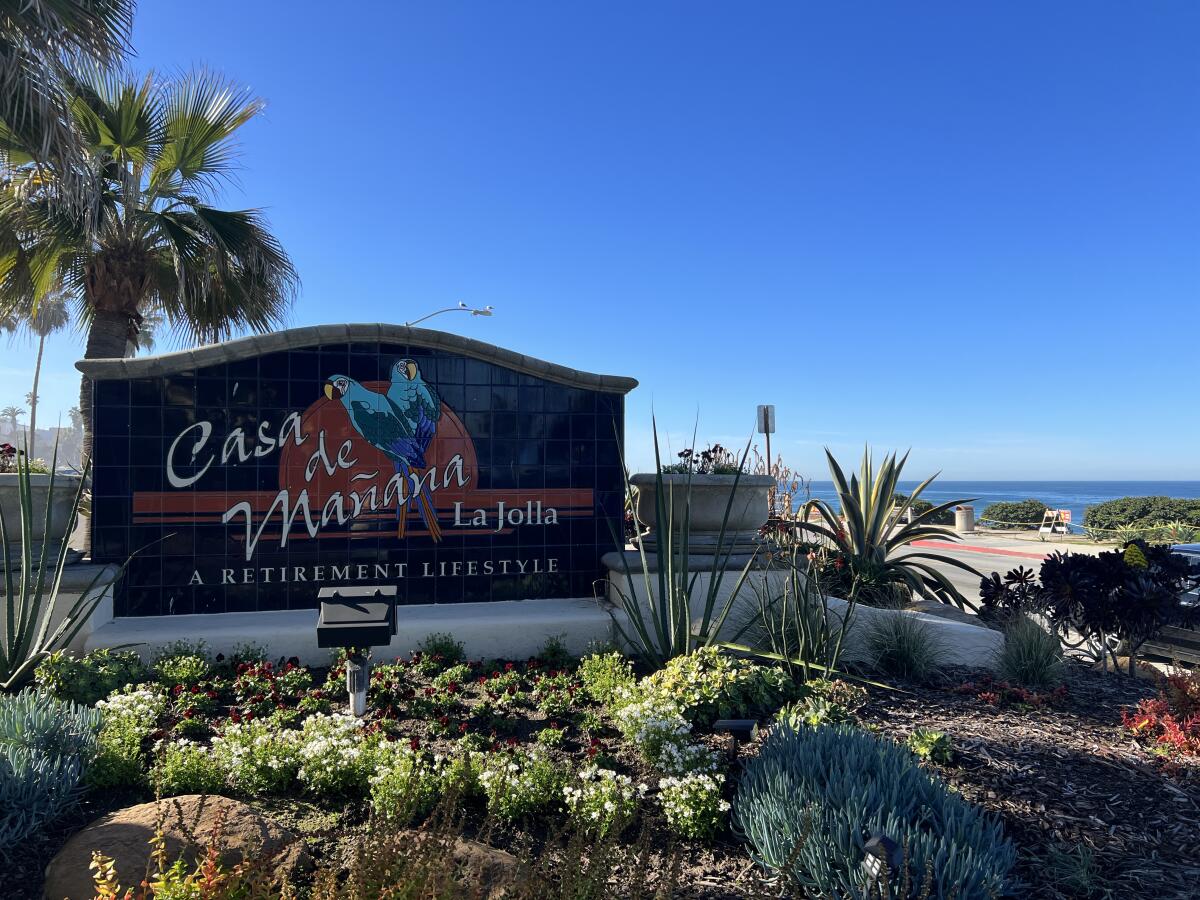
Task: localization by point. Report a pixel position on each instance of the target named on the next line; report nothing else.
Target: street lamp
(462, 307)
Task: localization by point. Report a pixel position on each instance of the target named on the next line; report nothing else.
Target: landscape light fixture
(356, 619)
(879, 851)
(462, 307)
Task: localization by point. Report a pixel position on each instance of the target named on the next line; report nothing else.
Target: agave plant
(32, 583)
(657, 597)
(871, 531)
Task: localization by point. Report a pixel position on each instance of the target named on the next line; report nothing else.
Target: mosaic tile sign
(248, 475)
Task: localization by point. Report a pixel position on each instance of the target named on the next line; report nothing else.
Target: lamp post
(462, 307)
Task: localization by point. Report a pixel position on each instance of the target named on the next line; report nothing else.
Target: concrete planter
(61, 501)
(707, 497)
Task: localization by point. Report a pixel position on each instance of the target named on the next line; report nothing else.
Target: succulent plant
(813, 798)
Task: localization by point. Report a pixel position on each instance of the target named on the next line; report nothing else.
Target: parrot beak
(328, 391)
(411, 370)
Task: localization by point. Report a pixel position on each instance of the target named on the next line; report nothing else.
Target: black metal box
(357, 616)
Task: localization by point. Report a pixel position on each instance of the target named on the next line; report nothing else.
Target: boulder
(189, 823)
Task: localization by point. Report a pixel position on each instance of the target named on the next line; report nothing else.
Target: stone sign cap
(318, 335)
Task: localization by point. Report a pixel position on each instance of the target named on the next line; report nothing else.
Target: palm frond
(201, 115)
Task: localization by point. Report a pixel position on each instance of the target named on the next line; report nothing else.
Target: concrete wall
(961, 641)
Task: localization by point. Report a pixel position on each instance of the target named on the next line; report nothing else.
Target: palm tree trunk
(106, 340)
(33, 398)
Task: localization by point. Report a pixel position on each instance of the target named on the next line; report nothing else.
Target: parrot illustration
(387, 427)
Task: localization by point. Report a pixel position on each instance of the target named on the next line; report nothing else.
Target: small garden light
(356, 619)
(878, 852)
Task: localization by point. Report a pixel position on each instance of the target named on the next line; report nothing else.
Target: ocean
(1076, 496)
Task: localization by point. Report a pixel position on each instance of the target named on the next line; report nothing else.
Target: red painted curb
(975, 548)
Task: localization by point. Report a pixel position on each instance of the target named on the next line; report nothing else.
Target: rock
(238, 830)
(482, 871)
(486, 870)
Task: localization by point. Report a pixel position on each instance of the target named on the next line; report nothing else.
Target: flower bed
(521, 750)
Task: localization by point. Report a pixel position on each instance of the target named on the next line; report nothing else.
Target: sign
(766, 419)
(256, 472)
(1055, 521)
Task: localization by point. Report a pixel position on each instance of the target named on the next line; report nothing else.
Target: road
(988, 554)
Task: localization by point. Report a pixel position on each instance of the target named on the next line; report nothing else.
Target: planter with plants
(709, 493)
(55, 491)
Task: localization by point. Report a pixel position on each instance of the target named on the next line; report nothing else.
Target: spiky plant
(870, 534)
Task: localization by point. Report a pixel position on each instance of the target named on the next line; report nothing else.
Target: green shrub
(921, 507)
(89, 678)
(903, 646)
(444, 649)
(520, 783)
(932, 745)
(187, 669)
(337, 757)
(186, 768)
(406, 784)
(605, 676)
(45, 745)
(130, 716)
(601, 802)
(1142, 511)
(823, 702)
(1031, 655)
(811, 799)
(460, 777)
(693, 804)
(708, 684)
(1027, 513)
(554, 653)
(258, 758)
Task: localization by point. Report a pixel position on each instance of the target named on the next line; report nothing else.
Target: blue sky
(969, 229)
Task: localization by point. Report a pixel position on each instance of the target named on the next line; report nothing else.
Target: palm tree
(51, 316)
(38, 38)
(157, 149)
(76, 418)
(148, 332)
(12, 414)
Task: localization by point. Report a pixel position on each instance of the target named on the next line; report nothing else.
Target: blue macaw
(384, 426)
(418, 404)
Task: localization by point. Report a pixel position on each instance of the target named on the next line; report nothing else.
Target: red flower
(189, 713)
(414, 744)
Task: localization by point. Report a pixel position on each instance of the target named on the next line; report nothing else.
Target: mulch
(1063, 776)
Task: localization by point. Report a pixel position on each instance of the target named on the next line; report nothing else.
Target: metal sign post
(766, 425)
